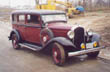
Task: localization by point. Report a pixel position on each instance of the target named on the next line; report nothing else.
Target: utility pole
(90, 5)
(109, 3)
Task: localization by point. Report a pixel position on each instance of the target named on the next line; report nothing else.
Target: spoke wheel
(15, 42)
(58, 54)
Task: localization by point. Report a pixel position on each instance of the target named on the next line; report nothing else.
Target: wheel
(93, 54)
(45, 36)
(58, 54)
(15, 42)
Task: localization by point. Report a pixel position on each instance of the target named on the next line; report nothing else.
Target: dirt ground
(26, 60)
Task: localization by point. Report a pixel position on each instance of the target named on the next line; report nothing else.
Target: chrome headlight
(70, 34)
(90, 32)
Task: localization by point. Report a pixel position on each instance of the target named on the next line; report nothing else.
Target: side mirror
(44, 25)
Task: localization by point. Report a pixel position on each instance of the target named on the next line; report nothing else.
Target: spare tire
(45, 36)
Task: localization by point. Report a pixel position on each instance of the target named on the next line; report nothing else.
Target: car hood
(60, 29)
(61, 26)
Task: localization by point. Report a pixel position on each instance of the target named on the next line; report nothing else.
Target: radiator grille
(78, 37)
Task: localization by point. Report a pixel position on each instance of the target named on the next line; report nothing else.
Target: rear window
(18, 18)
(14, 18)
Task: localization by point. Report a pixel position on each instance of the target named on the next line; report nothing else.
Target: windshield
(53, 18)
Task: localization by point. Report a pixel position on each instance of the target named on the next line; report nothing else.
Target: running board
(31, 46)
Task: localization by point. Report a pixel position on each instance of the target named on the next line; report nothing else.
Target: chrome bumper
(85, 51)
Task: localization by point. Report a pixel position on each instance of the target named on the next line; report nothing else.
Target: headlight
(70, 34)
(90, 32)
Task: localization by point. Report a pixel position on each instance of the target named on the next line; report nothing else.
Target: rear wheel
(15, 42)
(58, 54)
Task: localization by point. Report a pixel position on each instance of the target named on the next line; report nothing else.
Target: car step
(31, 46)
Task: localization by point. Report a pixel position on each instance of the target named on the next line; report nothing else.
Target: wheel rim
(44, 38)
(14, 42)
(56, 55)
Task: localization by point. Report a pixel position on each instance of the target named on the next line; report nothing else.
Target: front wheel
(93, 54)
(58, 54)
(15, 42)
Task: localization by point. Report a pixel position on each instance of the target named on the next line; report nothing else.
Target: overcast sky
(17, 2)
(14, 3)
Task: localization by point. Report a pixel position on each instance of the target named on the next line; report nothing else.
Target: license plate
(89, 45)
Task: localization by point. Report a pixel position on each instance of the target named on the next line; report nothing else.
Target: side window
(21, 18)
(34, 19)
(14, 18)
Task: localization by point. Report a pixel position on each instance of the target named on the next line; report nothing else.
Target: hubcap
(45, 38)
(56, 55)
(14, 42)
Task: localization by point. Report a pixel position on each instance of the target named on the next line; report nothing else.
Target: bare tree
(84, 4)
(90, 3)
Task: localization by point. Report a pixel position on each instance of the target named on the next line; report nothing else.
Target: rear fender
(15, 32)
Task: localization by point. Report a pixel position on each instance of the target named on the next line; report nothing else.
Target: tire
(94, 54)
(58, 54)
(45, 34)
(15, 42)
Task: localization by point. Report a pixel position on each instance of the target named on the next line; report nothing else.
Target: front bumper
(85, 51)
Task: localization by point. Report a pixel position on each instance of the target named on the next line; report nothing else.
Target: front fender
(63, 41)
(96, 37)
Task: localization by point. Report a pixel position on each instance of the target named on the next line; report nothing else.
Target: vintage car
(48, 30)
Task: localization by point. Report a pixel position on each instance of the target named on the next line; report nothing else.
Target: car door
(33, 28)
(18, 24)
